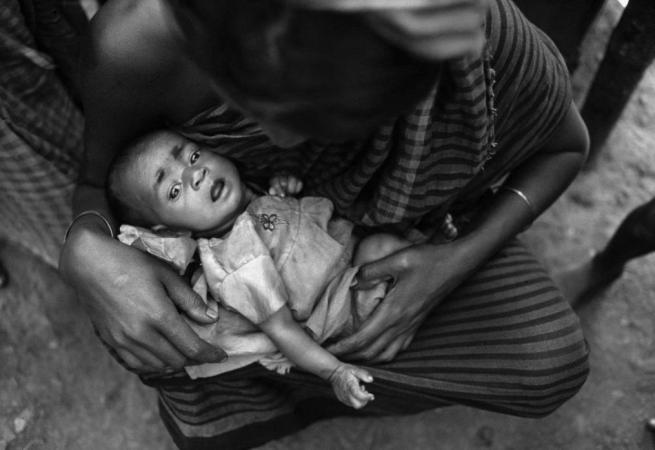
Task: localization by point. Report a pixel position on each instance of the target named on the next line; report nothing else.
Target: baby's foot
(581, 282)
(346, 383)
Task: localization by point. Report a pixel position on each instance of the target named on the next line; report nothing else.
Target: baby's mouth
(217, 189)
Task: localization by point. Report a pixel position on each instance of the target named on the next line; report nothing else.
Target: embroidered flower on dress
(269, 221)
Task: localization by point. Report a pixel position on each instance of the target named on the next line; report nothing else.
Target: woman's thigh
(505, 341)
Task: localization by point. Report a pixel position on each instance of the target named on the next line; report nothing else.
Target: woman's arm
(425, 274)
(133, 300)
(304, 352)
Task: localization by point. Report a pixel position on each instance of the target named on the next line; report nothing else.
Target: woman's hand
(445, 29)
(422, 275)
(133, 301)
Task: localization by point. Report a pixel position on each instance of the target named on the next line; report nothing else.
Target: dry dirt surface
(59, 389)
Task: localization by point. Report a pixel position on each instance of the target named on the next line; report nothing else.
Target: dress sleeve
(175, 248)
(241, 273)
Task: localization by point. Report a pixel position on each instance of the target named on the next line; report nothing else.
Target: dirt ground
(59, 389)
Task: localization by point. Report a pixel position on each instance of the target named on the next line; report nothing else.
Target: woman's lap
(505, 341)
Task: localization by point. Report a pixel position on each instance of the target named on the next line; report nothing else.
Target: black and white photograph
(327, 224)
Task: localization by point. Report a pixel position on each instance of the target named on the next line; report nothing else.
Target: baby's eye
(174, 192)
(194, 156)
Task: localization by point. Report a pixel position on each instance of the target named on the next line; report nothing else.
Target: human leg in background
(635, 237)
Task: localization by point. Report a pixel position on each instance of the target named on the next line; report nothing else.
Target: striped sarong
(505, 340)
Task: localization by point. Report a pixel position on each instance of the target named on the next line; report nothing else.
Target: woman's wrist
(81, 241)
(505, 217)
(93, 220)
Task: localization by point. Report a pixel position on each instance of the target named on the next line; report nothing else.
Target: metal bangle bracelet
(89, 212)
(523, 197)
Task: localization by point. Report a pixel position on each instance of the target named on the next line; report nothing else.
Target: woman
(416, 134)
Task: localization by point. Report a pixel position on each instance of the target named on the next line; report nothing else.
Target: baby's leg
(377, 246)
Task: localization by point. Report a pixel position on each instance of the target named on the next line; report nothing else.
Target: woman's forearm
(541, 179)
(295, 344)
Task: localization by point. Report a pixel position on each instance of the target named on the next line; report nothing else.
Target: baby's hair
(120, 202)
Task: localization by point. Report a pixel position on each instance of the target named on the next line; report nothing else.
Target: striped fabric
(505, 340)
(40, 142)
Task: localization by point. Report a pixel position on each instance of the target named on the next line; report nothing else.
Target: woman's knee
(555, 372)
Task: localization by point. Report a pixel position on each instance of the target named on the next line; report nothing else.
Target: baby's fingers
(362, 375)
(359, 396)
(276, 191)
(278, 186)
(294, 185)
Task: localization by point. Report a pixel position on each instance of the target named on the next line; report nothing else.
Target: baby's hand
(283, 185)
(346, 381)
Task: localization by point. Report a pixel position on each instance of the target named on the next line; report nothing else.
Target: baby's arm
(296, 345)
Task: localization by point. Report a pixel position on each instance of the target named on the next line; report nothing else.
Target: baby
(281, 268)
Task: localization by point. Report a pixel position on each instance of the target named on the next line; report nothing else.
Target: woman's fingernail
(212, 311)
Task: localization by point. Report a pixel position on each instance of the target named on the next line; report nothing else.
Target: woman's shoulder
(134, 56)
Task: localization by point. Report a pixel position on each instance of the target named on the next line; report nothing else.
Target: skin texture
(176, 183)
(138, 75)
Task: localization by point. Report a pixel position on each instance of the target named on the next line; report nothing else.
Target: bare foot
(582, 282)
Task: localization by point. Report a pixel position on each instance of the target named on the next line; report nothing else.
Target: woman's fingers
(394, 347)
(162, 350)
(187, 300)
(373, 273)
(138, 364)
(358, 345)
(180, 335)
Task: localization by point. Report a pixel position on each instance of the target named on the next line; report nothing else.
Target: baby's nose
(197, 175)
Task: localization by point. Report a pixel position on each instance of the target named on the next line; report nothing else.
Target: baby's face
(184, 186)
